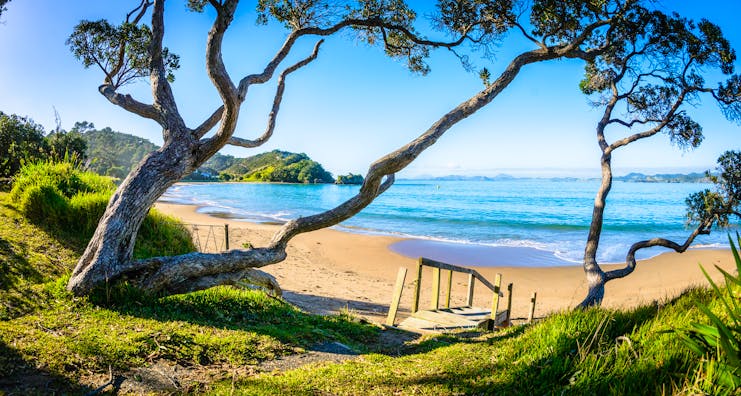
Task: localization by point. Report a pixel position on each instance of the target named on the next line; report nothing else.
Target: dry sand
(328, 270)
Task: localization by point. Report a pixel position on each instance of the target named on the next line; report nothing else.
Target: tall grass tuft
(69, 200)
(719, 343)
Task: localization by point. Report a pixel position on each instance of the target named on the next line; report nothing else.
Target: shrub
(44, 204)
(162, 235)
(85, 210)
(61, 196)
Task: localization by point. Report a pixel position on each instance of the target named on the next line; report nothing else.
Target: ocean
(532, 222)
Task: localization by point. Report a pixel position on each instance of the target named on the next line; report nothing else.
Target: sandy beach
(329, 270)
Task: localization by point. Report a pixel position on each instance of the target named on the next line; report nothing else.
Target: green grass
(68, 203)
(583, 352)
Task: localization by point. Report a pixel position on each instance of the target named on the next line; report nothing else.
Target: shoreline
(328, 270)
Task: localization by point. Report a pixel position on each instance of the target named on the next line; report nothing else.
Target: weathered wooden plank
(495, 299)
(532, 307)
(422, 326)
(417, 286)
(449, 287)
(396, 299)
(507, 321)
(472, 313)
(435, 298)
(445, 318)
(446, 266)
(471, 282)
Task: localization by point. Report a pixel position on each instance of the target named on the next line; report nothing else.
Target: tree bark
(113, 242)
(595, 275)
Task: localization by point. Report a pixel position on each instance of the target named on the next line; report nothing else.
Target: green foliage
(63, 145)
(72, 201)
(719, 342)
(121, 52)
(64, 177)
(718, 205)
(349, 179)
(658, 64)
(590, 351)
(278, 166)
(162, 235)
(21, 141)
(29, 257)
(114, 153)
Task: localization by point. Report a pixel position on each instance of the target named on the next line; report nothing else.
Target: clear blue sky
(352, 105)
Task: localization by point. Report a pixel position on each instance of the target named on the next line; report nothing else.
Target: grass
(583, 352)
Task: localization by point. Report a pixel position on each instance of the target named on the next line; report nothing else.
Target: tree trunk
(112, 245)
(595, 276)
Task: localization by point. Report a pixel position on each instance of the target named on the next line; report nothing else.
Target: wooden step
(451, 319)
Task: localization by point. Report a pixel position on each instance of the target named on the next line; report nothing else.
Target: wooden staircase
(442, 319)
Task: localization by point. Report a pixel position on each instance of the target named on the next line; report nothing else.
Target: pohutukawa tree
(557, 29)
(644, 86)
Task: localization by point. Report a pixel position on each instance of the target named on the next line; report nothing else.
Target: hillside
(277, 166)
(114, 153)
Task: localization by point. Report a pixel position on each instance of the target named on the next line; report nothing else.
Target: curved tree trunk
(112, 245)
(595, 276)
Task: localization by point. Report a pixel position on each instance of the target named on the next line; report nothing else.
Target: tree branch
(642, 135)
(285, 49)
(130, 104)
(164, 100)
(235, 141)
(630, 260)
(209, 123)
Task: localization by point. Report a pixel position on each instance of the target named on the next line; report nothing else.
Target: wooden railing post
(226, 236)
(532, 307)
(396, 299)
(471, 280)
(509, 305)
(495, 299)
(450, 286)
(417, 287)
(435, 302)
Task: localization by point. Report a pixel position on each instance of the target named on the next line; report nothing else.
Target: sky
(352, 105)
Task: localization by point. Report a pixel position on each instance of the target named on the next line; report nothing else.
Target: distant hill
(694, 177)
(634, 177)
(273, 166)
(114, 153)
(474, 178)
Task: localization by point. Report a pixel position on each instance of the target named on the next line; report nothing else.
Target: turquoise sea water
(550, 216)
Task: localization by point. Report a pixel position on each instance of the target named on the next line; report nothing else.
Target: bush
(162, 235)
(65, 177)
(85, 210)
(69, 200)
(44, 204)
